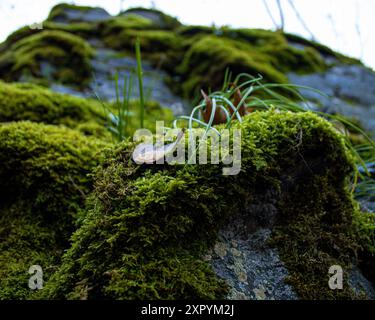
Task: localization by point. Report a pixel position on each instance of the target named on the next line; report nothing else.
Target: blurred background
(345, 26)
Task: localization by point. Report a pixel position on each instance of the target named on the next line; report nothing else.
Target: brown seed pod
(219, 116)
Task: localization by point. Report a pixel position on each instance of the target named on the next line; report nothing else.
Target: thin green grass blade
(140, 80)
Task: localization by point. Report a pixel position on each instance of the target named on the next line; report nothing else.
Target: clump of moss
(209, 56)
(161, 47)
(242, 51)
(116, 25)
(19, 102)
(190, 31)
(82, 29)
(37, 104)
(44, 180)
(160, 19)
(152, 41)
(147, 228)
(55, 55)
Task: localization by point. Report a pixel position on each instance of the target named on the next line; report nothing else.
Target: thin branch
(282, 19)
(358, 30)
(270, 14)
(300, 19)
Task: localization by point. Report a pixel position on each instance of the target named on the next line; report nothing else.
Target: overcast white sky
(333, 22)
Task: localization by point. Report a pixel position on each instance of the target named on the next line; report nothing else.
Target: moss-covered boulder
(20, 102)
(160, 46)
(256, 52)
(68, 13)
(82, 29)
(50, 55)
(44, 180)
(159, 19)
(147, 228)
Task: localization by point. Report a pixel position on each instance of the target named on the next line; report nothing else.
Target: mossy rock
(322, 49)
(147, 228)
(68, 13)
(37, 104)
(116, 25)
(44, 179)
(208, 57)
(256, 52)
(159, 19)
(81, 29)
(161, 47)
(48, 54)
(19, 102)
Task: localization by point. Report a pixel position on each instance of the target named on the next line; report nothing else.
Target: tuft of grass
(118, 116)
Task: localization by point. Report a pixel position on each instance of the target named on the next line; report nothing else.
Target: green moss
(30, 102)
(44, 179)
(82, 29)
(147, 228)
(67, 56)
(153, 112)
(189, 31)
(161, 47)
(117, 24)
(157, 42)
(207, 59)
(211, 50)
(160, 19)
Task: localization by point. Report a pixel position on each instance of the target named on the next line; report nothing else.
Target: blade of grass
(140, 80)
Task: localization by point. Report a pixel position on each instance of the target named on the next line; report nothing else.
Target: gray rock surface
(360, 284)
(105, 64)
(252, 269)
(242, 257)
(91, 15)
(350, 90)
(155, 17)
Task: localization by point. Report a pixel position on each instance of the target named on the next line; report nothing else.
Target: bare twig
(300, 19)
(282, 19)
(358, 30)
(270, 14)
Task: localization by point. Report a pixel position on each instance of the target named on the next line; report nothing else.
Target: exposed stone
(350, 90)
(90, 15)
(105, 64)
